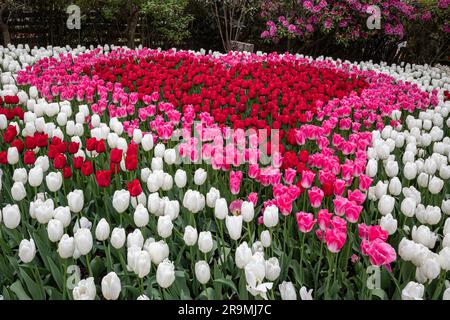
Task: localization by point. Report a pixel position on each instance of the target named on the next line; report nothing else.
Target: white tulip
(164, 226)
(83, 241)
(413, 291)
(247, 211)
(18, 191)
(36, 176)
(221, 209)
(135, 239)
(44, 210)
(410, 171)
(20, 175)
(111, 286)
(165, 274)
(372, 168)
(75, 200)
(212, 196)
(422, 180)
(234, 226)
(205, 241)
(141, 216)
(54, 181)
(170, 156)
(180, 178)
(157, 163)
(273, 269)
(389, 224)
(265, 238)
(287, 291)
(66, 246)
(444, 258)
(158, 251)
(159, 150)
(435, 186)
(270, 216)
(12, 155)
(408, 207)
(424, 235)
(200, 176)
(11, 216)
(121, 200)
(147, 142)
(142, 264)
(202, 271)
(85, 290)
(305, 294)
(395, 186)
(243, 255)
(55, 230)
(63, 214)
(190, 236)
(27, 250)
(386, 204)
(102, 230)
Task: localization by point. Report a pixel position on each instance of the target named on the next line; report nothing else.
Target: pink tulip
(335, 239)
(315, 195)
(380, 253)
(357, 196)
(364, 182)
(339, 205)
(305, 221)
(289, 175)
(235, 181)
(307, 178)
(352, 211)
(339, 187)
(284, 203)
(253, 198)
(372, 232)
(324, 219)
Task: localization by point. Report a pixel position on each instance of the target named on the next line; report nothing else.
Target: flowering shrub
(148, 174)
(346, 19)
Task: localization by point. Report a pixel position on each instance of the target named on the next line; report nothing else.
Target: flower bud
(55, 230)
(66, 246)
(221, 209)
(11, 216)
(200, 176)
(111, 286)
(54, 181)
(83, 241)
(234, 226)
(27, 250)
(165, 274)
(270, 217)
(141, 216)
(202, 272)
(75, 200)
(85, 290)
(190, 236)
(35, 176)
(205, 242)
(102, 230)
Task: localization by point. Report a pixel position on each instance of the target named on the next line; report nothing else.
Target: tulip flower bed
(149, 174)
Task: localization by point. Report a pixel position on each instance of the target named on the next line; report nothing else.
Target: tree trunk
(4, 28)
(131, 28)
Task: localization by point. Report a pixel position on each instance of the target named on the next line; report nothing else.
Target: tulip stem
(141, 285)
(65, 279)
(88, 264)
(302, 236)
(108, 256)
(318, 264)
